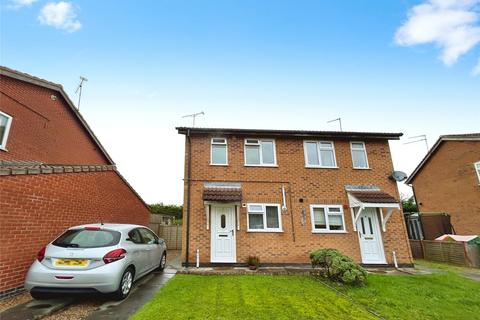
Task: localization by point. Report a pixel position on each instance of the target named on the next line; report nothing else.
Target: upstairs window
(327, 218)
(477, 169)
(260, 152)
(5, 122)
(264, 217)
(320, 154)
(359, 155)
(219, 152)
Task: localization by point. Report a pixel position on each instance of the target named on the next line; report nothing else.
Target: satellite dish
(398, 176)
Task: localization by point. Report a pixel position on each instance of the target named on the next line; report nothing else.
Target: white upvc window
(359, 155)
(477, 170)
(319, 154)
(219, 152)
(327, 218)
(264, 217)
(5, 123)
(260, 152)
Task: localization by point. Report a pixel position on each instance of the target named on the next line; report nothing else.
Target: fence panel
(171, 234)
(417, 250)
(444, 251)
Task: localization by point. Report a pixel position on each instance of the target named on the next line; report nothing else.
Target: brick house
(280, 194)
(54, 173)
(447, 180)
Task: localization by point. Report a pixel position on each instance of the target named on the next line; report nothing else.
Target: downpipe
(198, 258)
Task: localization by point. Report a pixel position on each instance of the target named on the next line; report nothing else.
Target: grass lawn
(443, 295)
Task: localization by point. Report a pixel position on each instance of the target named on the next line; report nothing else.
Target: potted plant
(253, 262)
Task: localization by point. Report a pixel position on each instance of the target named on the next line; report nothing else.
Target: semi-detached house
(280, 194)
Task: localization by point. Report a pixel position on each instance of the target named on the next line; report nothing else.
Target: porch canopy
(360, 200)
(228, 193)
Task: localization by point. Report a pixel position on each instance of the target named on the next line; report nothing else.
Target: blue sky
(262, 64)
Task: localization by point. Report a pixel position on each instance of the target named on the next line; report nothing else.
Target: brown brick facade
(313, 185)
(37, 202)
(34, 209)
(448, 183)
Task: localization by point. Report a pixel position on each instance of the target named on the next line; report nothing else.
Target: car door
(140, 251)
(151, 241)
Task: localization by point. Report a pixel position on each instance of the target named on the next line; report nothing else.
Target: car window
(148, 236)
(87, 238)
(134, 235)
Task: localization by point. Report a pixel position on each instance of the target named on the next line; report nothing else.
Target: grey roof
(4, 71)
(447, 137)
(292, 133)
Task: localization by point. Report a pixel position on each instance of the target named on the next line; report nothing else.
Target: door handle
(231, 232)
(359, 234)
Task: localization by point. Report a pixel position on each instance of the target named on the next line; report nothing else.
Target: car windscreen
(83, 238)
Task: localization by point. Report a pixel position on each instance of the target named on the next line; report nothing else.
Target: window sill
(362, 168)
(320, 167)
(219, 165)
(265, 231)
(262, 165)
(3, 149)
(326, 231)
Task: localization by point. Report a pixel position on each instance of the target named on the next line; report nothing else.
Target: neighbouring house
(447, 181)
(280, 194)
(54, 173)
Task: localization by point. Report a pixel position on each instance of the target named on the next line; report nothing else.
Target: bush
(330, 263)
(253, 261)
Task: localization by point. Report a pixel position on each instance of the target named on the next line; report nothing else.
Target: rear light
(92, 228)
(41, 254)
(114, 255)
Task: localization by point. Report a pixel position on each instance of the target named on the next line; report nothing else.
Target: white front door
(223, 234)
(371, 245)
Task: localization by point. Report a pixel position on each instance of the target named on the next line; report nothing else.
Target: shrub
(330, 263)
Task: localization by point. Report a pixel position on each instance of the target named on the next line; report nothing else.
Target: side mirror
(157, 241)
(128, 239)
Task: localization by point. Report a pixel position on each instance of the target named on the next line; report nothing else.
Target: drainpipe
(189, 172)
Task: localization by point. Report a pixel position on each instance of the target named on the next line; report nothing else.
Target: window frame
(3, 141)
(325, 208)
(264, 213)
(476, 166)
(261, 164)
(364, 152)
(226, 151)
(317, 144)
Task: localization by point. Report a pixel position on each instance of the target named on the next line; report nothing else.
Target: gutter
(189, 173)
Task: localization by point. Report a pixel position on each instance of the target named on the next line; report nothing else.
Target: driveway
(98, 307)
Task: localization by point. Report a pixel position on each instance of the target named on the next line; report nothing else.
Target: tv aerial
(194, 115)
(79, 90)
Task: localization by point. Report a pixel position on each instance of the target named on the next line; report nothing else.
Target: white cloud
(452, 25)
(60, 15)
(15, 4)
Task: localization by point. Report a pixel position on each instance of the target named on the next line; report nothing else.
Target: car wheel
(125, 286)
(163, 262)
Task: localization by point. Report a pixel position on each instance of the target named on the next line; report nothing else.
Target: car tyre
(163, 262)
(125, 285)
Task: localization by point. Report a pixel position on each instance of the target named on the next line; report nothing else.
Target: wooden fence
(171, 234)
(459, 253)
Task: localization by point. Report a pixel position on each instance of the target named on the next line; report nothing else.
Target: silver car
(105, 258)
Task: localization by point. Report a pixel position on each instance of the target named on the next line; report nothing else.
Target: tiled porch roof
(373, 197)
(222, 194)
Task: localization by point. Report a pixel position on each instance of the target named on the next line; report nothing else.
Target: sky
(386, 66)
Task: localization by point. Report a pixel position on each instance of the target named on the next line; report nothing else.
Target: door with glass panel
(371, 245)
(223, 244)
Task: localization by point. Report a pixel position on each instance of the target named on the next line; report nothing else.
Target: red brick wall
(314, 186)
(36, 208)
(43, 129)
(448, 183)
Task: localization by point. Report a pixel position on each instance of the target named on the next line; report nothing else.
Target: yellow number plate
(71, 262)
